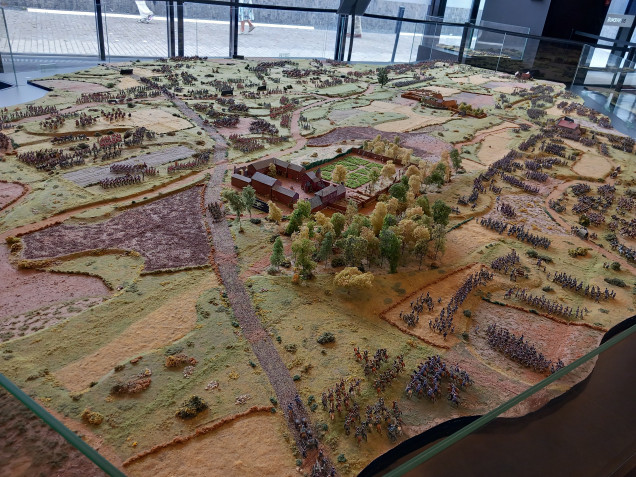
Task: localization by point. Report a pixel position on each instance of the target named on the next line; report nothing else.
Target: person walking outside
(144, 12)
(246, 14)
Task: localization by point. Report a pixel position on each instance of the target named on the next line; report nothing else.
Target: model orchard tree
(339, 174)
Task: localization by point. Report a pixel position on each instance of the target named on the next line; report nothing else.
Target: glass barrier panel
(512, 46)
(134, 29)
(549, 60)
(485, 46)
(380, 41)
(31, 448)
(67, 29)
(449, 40)
(412, 9)
(541, 429)
(286, 34)
(206, 30)
(599, 67)
(7, 68)
(432, 47)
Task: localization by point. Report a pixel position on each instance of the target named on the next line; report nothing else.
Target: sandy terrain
(444, 288)
(24, 290)
(158, 120)
(128, 82)
(262, 451)
(592, 165)
(494, 147)
(168, 232)
(74, 86)
(530, 213)
(168, 323)
(9, 192)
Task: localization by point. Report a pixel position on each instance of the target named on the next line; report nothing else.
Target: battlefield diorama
(228, 267)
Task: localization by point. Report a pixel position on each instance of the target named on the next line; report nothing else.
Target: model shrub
(617, 282)
(326, 337)
(191, 407)
(92, 417)
(577, 252)
(338, 262)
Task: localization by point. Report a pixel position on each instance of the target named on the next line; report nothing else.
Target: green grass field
(358, 170)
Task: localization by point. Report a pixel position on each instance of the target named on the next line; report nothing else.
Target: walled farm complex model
(219, 267)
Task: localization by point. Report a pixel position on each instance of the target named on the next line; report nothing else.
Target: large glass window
(134, 29)
(67, 29)
(286, 34)
(206, 30)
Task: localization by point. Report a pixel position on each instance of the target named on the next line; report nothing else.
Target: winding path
(226, 262)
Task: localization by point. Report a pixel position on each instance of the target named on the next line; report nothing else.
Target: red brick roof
(564, 123)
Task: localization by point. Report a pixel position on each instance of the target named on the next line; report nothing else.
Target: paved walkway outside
(73, 33)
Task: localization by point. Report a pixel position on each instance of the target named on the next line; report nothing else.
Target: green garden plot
(358, 170)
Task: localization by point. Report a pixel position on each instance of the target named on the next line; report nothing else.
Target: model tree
(351, 277)
(355, 249)
(275, 214)
(236, 203)
(441, 211)
(303, 208)
(390, 248)
(406, 230)
(249, 197)
(456, 159)
(439, 238)
(302, 251)
(374, 175)
(421, 249)
(301, 211)
(295, 221)
(415, 183)
(271, 170)
(339, 174)
(388, 171)
(338, 221)
(398, 191)
(438, 175)
(383, 76)
(278, 256)
(377, 217)
(326, 247)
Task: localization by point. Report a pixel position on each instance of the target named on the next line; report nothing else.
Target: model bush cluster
(403, 226)
(390, 149)
(190, 408)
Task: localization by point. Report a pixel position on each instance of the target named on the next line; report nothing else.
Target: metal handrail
(60, 428)
(498, 411)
